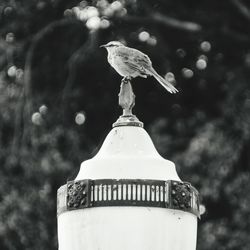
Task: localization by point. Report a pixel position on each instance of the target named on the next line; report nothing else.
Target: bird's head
(111, 45)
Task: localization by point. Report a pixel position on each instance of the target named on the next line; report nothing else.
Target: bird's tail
(167, 85)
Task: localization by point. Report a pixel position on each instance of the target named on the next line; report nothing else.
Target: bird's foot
(126, 79)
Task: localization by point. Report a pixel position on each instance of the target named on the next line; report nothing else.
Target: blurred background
(58, 100)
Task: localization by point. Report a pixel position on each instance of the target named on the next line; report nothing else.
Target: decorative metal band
(128, 192)
(128, 120)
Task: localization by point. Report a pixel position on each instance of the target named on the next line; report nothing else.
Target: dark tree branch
(80, 55)
(175, 23)
(242, 8)
(235, 35)
(24, 111)
(158, 18)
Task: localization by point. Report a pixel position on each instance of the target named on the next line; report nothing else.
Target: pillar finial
(127, 102)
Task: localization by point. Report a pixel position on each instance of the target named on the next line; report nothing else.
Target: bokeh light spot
(43, 109)
(36, 118)
(8, 11)
(108, 12)
(181, 53)
(10, 37)
(247, 59)
(93, 23)
(76, 10)
(41, 5)
(116, 5)
(80, 118)
(104, 24)
(92, 12)
(170, 77)
(122, 12)
(83, 4)
(143, 36)
(187, 73)
(205, 46)
(152, 41)
(12, 71)
(19, 74)
(102, 4)
(202, 209)
(83, 15)
(68, 13)
(203, 57)
(201, 64)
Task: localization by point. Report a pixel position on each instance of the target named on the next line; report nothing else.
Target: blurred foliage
(58, 99)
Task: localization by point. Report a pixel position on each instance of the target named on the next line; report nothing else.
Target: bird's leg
(126, 79)
(126, 97)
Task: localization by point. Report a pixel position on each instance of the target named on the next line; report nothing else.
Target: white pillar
(127, 153)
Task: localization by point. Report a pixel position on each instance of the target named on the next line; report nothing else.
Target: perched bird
(130, 63)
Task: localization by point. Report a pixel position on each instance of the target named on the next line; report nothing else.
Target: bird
(131, 63)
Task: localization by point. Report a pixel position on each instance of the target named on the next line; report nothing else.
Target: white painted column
(127, 153)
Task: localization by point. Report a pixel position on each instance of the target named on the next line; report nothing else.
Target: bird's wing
(135, 59)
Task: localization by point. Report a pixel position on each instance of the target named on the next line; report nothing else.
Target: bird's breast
(117, 62)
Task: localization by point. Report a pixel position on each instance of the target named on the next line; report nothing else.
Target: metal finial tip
(127, 102)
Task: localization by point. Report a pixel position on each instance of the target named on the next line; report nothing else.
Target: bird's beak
(103, 46)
